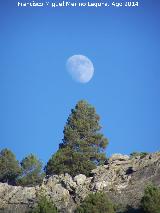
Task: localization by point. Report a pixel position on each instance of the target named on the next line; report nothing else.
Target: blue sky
(37, 93)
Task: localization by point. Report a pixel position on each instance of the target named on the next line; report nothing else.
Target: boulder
(80, 179)
(118, 158)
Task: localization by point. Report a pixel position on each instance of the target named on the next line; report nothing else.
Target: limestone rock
(123, 178)
(118, 159)
(80, 179)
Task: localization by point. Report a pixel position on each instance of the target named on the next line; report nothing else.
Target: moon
(80, 68)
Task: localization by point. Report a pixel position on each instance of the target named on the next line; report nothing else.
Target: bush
(151, 200)
(141, 154)
(96, 203)
(45, 206)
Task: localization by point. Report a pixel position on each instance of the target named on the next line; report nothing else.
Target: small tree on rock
(83, 145)
(9, 167)
(31, 171)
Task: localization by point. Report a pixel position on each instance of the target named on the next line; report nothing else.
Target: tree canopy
(83, 145)
(31, 171)
(9, 167)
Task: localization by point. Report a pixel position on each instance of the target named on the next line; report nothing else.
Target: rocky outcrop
(123, 178)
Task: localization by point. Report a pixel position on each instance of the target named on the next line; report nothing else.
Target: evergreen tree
(151, 200)
(83, 145)
(31, 171)
(9, 167)
(96, 203)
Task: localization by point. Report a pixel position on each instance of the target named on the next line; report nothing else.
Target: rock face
(123, 178)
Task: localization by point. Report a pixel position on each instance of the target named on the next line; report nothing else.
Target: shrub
(151, 200)
(141, 154)
(96, 203)
(44, 206)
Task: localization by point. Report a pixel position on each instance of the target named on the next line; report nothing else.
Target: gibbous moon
(80, 68)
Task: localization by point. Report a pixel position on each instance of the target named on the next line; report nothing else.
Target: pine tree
(83, 145)
(9, 167)
(31, 171)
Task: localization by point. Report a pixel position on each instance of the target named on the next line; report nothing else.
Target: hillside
(122, 177)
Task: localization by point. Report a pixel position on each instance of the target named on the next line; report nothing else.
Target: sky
(37, 93)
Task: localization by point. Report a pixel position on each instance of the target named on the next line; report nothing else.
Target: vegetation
(83, 145)
(82, 149)
(151, 200)
(9, 167)
(31, 171)
(44, 205)
(141, 154)
(96, 203)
